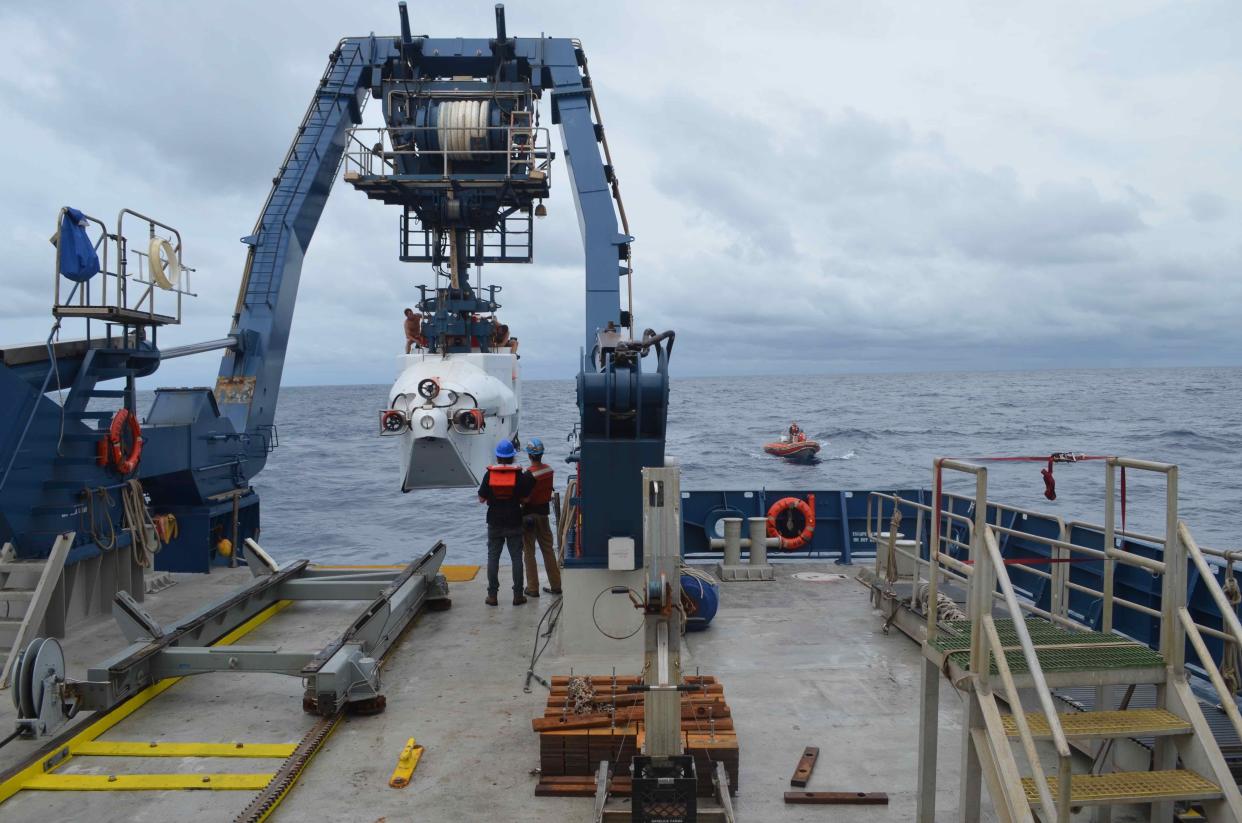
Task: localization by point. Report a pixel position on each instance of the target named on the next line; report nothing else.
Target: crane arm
(249, 380)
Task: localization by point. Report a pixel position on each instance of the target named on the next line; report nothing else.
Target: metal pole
(1173, 595)
(982, 581)
(732, 541)
(933, 556)
(758, 540)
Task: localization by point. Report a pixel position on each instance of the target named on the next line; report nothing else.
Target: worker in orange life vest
(536, 526)
(504, 489)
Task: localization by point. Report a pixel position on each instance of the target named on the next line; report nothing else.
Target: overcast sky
(828, 186)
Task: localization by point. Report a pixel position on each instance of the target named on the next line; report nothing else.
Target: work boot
(518, 599)
(530, 593)
(491, 600)
(551, 590)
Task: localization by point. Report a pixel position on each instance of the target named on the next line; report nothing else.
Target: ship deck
(803, 663)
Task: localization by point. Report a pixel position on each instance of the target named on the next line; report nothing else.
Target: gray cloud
(1207, 207)
(887, 188)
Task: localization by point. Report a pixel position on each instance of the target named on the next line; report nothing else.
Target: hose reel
(38, 674)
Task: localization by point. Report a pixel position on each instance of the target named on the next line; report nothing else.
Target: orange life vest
(542, 493)
(502, 480)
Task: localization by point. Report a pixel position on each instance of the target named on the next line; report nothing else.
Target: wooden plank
(583, 786)
(806, 765)
(838, 798)
(701, 715)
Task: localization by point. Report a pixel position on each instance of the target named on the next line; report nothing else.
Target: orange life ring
(807, 508)
(125, 463)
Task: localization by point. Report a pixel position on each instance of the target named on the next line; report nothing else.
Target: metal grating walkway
(1131, 787)
(1059, 649)
(1136, 723)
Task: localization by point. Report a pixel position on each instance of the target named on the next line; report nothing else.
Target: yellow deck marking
(40, 767)
(107, 748)
(406, 764)
(146, 782)
(459, 574)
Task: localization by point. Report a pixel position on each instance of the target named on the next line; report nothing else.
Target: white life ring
(165, 267)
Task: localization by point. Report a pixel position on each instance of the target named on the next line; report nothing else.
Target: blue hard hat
(534, 446)
(505, 449)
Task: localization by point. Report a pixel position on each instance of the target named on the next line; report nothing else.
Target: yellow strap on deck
(406, 764)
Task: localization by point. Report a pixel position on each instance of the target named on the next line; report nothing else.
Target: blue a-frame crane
(202, 447)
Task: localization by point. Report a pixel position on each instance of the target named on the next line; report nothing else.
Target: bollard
(732, 540)
(758, 540)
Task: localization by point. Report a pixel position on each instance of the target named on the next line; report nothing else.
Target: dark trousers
(497, 538)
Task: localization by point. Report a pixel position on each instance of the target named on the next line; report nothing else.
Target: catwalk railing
(967, 551)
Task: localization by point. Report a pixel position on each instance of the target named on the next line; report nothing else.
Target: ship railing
(377, 151)
(986, 573)
(109, 295)
(991, 648)
(1178, 550)
(883, 521)
(1229, 619)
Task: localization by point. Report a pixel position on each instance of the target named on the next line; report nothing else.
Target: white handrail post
(1013, 697)
(933, 552)
(1173, 594)
(982, 580)
(1110, 514)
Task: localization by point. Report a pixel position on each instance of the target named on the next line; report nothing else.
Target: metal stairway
(1022, 656)
(1072, 657)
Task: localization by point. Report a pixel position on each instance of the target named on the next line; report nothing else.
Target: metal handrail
(1229, 620)
(1019, 716)
(1036, 672)
(121, 276)
(34, 409)
(535, 154)
(1124, 557)
(1222, 690)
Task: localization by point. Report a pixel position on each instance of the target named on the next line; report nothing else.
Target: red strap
(1050, 483)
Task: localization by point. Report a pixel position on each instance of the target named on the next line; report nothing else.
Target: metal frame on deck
(345, 672)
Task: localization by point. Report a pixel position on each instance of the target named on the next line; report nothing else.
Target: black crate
(664, 791)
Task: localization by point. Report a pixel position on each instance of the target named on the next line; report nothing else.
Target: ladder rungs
(16, 595)
(22, 567)
(1098, 725)
(1130, 787)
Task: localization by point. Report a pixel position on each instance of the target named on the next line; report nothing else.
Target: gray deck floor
(803, 663)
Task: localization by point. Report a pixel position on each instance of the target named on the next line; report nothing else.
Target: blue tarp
(78, 260)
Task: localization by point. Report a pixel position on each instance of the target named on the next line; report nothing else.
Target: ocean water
(331, 491)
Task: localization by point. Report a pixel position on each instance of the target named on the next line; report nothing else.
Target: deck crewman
(536, 527)
(504, 489)
(413, 330)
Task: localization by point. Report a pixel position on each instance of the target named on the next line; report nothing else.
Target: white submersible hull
(449, 411)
